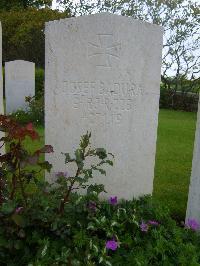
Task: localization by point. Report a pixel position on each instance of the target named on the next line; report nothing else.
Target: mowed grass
(175, 141)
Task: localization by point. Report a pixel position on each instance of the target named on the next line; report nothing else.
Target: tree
(180, 20)
(23, 33)
(8, 5)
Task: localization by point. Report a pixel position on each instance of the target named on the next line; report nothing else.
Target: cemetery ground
(176, 132)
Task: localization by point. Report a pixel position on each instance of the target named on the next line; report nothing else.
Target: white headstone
(193, 205)
(19, 83)
(2, 149)
(103, 76)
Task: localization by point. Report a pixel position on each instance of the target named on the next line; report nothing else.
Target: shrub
(23, 33)
(34, 113)
(185, 97)
(39, 82)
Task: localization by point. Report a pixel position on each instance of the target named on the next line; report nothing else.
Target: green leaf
(3, 241)
(101, 153)
(109, 162)
(79, 158)
(85, 141)
(44, 250)
(98, 188)
(8, 207)
(102, 171)
(18, 219)
(79, 180)
(67, 158)
(87, 173)
(46, 165)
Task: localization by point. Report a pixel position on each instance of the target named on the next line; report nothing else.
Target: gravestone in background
(193, 205)
(2, 149)
(103, 76)
(19, 83)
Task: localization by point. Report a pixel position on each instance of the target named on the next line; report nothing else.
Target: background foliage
(23, 33)
(8, 5)
(23, 37)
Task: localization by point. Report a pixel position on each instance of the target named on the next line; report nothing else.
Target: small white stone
(19, 83)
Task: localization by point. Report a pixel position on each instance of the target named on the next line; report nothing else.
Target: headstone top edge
(19, 61)
(104, 14)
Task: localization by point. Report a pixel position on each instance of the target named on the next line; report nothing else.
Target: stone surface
(19, 83)
(1, 87)
(193, 205)
(103, 76)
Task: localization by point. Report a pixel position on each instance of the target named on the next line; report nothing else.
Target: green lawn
(173, 159)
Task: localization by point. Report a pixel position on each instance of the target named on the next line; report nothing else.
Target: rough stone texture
(1, 86)
(103, 75)
(193, 205)
(19, 83)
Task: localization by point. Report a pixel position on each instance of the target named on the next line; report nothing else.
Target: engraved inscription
(104, 50)
(101, 102)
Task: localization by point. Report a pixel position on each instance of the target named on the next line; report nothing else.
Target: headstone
(2, 149)
(103, 76)
(193, 205)
(19, 83)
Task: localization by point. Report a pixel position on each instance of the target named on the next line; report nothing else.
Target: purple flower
(112, 244)
(144, 227)
(113, 200)
(192, 224)
(61, 174)
(92, 206)
(152, 222)
(18, 210)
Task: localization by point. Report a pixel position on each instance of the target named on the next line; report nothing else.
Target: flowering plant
(14, 176)
(83, 174)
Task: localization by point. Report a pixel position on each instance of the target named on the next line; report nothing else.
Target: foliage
(13, 170)
(175, 140)
(183, 97)
(39, 82)
(34, 112)
(7, 5)
(23, 33)
(180, 20)
(54, 225)
(35, 109)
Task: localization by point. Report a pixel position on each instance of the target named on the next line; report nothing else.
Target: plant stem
(20, 180)
(66, 197)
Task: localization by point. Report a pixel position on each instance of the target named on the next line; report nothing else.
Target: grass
(173, 159)
(175, 141)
